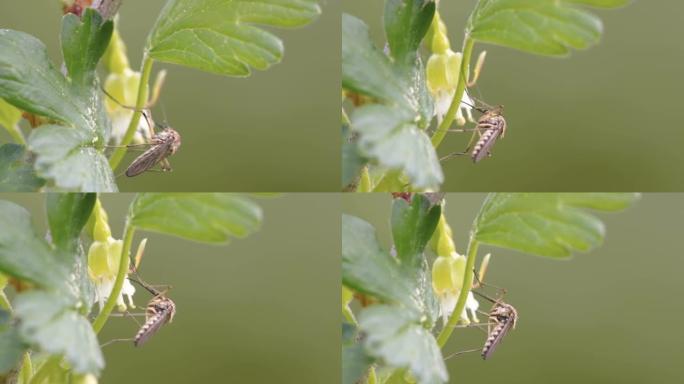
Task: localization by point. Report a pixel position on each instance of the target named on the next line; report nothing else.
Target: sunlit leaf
(546, 224)
(52, 323)
(369, 269)
(223, 36)
(206, 217)
(23, 254)
(390, 136)
(365, 69)
(71, 155)
(539, 26)
(16, 174)
(29, 81)
(65, 155)
(396, 336)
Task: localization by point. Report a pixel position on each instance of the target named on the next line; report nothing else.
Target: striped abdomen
(494, 125)
(505, 317)
(160, 310)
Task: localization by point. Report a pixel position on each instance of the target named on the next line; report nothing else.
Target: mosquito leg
(462, 352)
(114, 341)
(165, 165)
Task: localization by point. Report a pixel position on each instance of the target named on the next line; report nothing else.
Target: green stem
(16, 134)
(463, 295)
(26, 369)
(372, 378)
(443, 128)
(46, 369)
(118, 283)
(119, 152)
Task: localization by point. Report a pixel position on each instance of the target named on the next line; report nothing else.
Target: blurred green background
(607, 118)
(611, 316)
(269, 132)
(263, 309)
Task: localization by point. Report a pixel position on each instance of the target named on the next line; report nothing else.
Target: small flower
(104, 256)
(443, 72)
(124, 88)
(122, 84)
(447, 280)
(103, 266)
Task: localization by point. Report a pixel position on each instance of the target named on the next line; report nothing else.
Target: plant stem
(16, 134)
(118, 283)
(26, 369)
(46, 369)
(119, 152)
(463, 295)
(439, 134)
(372, 378)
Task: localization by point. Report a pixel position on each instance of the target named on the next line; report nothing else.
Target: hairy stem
(118, 283)
(443, 128)
(463, 295)
(140, 102)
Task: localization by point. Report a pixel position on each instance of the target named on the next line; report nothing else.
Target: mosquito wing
(147, 160)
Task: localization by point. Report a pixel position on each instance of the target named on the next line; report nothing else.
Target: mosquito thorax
(170, 135)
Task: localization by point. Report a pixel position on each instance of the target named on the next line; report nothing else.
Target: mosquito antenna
(165, 121)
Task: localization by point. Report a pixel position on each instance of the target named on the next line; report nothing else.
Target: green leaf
(16, 175)
(205, 217)
(11, 345)
(222, 36)
(28, 79)
(67, 156)
(396, 336)
(365, 69)
(406, 23)
(412, 227)
(538, 26)
(51, 321)
(23, 254)
(67, 214)
(369, 269)
(546, 224)
(355, 361)
(84, 41)
(352, 161)
(390, 136)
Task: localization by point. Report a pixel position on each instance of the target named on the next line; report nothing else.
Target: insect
(490, 126)
(160, 310)
(162, 145)
(504, 317)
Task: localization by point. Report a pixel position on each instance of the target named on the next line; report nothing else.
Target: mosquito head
(172, 136)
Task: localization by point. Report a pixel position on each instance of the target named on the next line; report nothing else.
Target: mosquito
(160, 310)
(490, 126)
(502, 318)
(161, 145)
